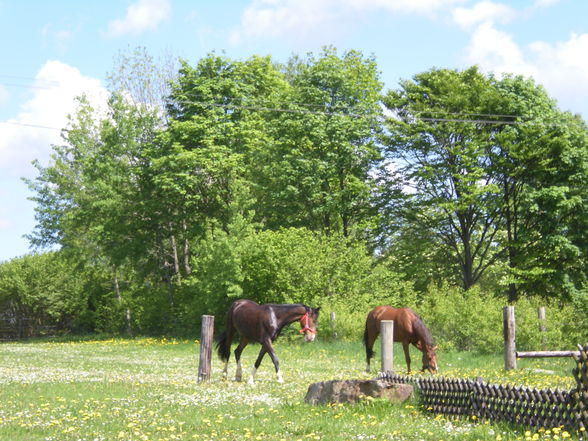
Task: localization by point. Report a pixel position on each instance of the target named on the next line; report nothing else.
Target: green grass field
(147, 389)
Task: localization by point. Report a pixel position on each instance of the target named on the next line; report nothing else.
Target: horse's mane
(286, 306)
(422, 331)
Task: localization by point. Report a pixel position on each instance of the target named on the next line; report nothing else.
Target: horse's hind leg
(239, 372)
(224, 349)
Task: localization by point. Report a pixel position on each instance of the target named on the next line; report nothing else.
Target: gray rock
(351, 391)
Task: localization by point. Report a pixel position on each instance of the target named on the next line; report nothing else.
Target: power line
(458, 117)
(15, 77)
(443, 112)
(36, 126)
(510, 122)
(26, 86)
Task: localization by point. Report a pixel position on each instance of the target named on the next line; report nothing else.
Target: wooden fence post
(206, 338)
(387, 344)
(510, 358)
(333, 327)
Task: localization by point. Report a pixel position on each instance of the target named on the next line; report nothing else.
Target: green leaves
(249, 178)
(489, 162)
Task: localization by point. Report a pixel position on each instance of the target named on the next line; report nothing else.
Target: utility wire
(510, 122)
(15, 77)
(458, 117)
(36, 126)
(26, 86)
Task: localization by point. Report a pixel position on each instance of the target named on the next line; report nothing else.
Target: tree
(541, 168)
(497, 174)
(87, 197)
(443, 160)
(316, 171)
(216, 124)
(39, 291)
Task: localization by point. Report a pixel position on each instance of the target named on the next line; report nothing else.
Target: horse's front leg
(262, 352)
(267, 346)
(406, 347)
(276, 362)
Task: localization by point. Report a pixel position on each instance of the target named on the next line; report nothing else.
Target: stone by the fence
(351, 391)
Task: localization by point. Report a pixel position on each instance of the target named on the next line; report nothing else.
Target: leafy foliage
(472, 320)
(286, 183)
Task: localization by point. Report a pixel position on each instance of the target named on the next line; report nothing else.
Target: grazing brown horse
(262, 324)
(408, 328)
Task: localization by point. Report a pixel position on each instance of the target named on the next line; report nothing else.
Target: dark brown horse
(408, 329)
(262, 324)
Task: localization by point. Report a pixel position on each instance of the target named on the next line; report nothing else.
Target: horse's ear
(419, 345)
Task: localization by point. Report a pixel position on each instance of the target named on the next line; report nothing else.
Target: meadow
(147, 389)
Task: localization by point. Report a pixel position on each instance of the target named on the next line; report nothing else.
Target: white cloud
(53, 99)
(562, 68)
(312, 19)
(59, 39)
(421, 7)
(483, 12)
(545, 3)
(265, 18)
(144, 15)
(496, 51)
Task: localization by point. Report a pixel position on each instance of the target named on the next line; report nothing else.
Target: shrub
(472, 320)
(463, 320)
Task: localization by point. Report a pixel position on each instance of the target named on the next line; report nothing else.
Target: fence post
(387, 344)
(510, 357)
(333, 327)
(206, 338)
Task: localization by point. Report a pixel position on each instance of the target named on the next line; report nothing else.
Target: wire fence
(19, 328)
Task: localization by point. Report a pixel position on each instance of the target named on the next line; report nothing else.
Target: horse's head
(308, 324)
(430, 358)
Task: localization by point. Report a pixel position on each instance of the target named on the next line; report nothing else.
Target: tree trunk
(187, 267)
(127, 311)
(174, 252)
(468, 264)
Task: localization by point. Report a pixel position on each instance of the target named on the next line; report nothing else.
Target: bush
(472, 320)
(462, 320)
(293, 265)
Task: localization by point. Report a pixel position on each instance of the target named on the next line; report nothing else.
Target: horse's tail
(369, 352)
(223, 346)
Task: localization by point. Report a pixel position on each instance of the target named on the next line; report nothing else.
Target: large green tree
(443, 161)
(316, 170)
(541, 167)
(491, 173)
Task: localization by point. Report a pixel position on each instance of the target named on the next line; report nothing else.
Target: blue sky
(52, 51)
